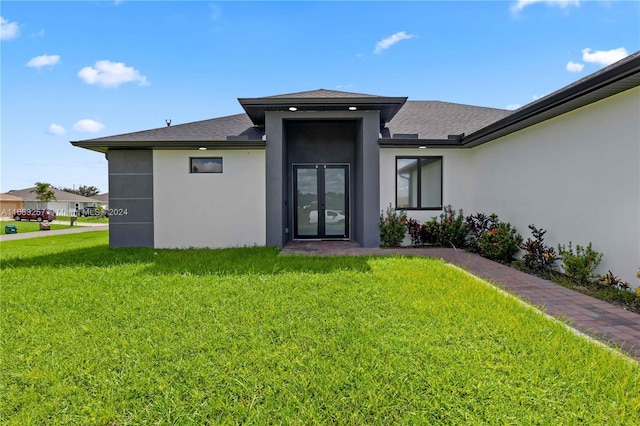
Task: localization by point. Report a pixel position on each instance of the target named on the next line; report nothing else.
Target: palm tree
(44, 192)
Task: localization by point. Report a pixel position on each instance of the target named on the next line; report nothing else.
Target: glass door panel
(306, 186)
(335, 200)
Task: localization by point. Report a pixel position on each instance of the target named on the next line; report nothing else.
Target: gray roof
(63, 196)
(103, 198)
(438, 120)
(322, 94)
(216, 129)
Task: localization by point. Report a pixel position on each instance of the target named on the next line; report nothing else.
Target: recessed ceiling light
(352, 108)
(293, 109)
(422, 147)
(203, 148)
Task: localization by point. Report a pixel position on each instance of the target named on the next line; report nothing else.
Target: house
(568, 162)
(65, 203)
(103, 200)
(9, 204)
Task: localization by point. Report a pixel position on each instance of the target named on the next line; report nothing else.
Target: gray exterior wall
(130, 198)
(365, 186)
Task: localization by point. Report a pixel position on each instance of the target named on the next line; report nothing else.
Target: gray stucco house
(322, 164)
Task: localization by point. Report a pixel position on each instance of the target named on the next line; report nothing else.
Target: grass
(141, 336)
(85, 219)
(26, 226)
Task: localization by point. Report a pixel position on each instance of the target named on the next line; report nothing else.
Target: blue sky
(79, 70)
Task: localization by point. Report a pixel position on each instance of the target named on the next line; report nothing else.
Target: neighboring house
(568, 162)
(9, 204)
(103, 200)
(65, 203)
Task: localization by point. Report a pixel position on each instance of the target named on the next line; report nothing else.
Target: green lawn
(85, 219)
(26, 226)
(141, 336)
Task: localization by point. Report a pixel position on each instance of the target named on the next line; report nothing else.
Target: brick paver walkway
(603, 321)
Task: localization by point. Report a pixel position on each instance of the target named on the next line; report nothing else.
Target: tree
(44, 192)
(84, 190)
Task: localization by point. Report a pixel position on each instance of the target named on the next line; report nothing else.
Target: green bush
(393, 227)
(500, 243)
(579, 266)
(452, 229)
(477, 225)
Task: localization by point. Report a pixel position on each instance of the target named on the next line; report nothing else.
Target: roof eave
(419, 143)
(103, 147)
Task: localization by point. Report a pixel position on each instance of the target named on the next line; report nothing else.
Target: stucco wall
(577, 176)
(209, 209)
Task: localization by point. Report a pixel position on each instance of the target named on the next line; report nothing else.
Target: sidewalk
(607, 323)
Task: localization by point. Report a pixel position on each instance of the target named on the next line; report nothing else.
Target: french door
(321, 201)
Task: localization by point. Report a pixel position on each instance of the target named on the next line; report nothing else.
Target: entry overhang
(315, 101)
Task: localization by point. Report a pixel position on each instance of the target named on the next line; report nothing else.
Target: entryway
(321, 201)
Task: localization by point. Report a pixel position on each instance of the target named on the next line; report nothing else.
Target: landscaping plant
(393, 227)
(580, 265)
(501, 243)
(538, 257)
(453, 229)
(477, 225)
(610, 280)
(426, 234)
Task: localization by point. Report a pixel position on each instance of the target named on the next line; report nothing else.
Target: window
(419, 183)
(205, 165)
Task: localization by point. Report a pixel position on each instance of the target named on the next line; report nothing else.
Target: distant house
(323, 164)
(9, 204)
(103, 199)
(65, 203)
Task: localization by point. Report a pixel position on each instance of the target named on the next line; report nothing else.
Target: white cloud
(391, 40)
(56, 129)
(87, 125)
(8, 30)
(521, 4)
(604, 57)
(111, 74)
(574, 66)
(43, 60)
(513, 106)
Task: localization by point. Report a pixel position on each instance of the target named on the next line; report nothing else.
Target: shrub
(581, 265)
(430, 232)
(414, 228)
(453, 230)
(478, 224)
(538, 257)
(500, 243)
(393, 227)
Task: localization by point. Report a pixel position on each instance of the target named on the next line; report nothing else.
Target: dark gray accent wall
(367, 182)
(131, 198)
(362, 153)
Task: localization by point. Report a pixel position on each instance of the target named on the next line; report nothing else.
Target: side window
(205, 165)
(419, 183)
